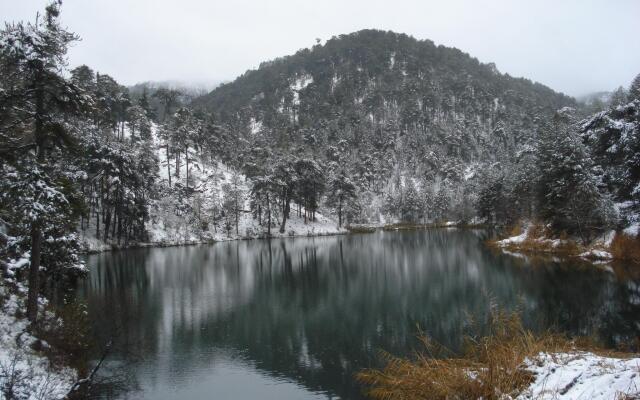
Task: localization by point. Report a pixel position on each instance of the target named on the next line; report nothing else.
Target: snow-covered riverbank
(24, 372)
(163, 235)
(195, 219)
(582, 375)
(535, 239)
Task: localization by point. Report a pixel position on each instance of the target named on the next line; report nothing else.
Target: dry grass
(537, 241)
(628, 396)
(623, 247)
(537, 230)
(490, 367)
(566, 247)
(516, 230)
(626, 248)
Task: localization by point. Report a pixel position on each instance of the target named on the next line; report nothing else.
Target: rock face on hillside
(397, 113)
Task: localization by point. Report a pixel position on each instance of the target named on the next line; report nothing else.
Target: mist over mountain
(193, 89)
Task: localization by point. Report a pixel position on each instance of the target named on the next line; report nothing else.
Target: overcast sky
(573, 46)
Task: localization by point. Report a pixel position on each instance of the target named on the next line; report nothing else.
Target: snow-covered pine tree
(341, 190)
(634, 89)
(569, 192)
(618, 97)
(35, 101)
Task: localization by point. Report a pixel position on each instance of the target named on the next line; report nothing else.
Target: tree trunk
(285, 214)
(107, 223)
(97, 222)
(36, 231)
(340, 213)
(113, 224)
(236, 212)
(119, 221)
(186, 159)
(168, 166)
(259, 213)
(268, 216)
(34, 274)
(177, 164)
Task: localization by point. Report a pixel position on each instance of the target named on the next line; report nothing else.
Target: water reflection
(296, 318)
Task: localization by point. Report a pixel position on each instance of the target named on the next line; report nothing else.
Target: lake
(296, 318)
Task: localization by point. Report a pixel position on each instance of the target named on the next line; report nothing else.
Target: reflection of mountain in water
(317, 310)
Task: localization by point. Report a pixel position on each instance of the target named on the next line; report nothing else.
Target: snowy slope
(207, 178)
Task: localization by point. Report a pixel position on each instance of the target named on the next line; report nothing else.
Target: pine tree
(169, 99)
(185, 129)
(634, 89)
(569, 194)
(232, 200)
(37, 97)
(618, 97)
(411, 207)
(492, 199)
(84, 77)
(309, 186)
(613, 138)
(340, 191)
(285, 181)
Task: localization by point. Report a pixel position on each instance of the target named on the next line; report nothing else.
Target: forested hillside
(411, 123)
(428, 133)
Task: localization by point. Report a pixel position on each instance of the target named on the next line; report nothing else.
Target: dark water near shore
(296, 318)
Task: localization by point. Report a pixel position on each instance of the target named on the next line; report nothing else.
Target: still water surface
(296, 318)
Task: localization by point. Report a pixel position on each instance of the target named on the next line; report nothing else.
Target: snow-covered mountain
(391, 110)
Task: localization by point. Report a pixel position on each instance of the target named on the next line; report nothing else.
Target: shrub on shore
(490, 367)
(504, 364)
(625, 248)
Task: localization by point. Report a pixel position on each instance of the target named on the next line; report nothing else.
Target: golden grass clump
(538, 230)
(490, 368)
(516, 230)
(625, 248)
(539, 240)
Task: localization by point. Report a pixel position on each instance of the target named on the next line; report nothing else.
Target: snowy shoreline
(537, 240)
(108, 248)
(93, 246)
(23, 370)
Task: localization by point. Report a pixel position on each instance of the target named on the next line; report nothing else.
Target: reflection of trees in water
(317, 310)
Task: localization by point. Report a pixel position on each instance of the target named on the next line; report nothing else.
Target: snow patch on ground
(36, 377)
(514, 239)
(299, 84)
(597, 254)
(633, 229)
(255, 126)
(470, 172)
(581, 375)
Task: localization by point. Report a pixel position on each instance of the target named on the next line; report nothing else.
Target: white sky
(574, 46)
